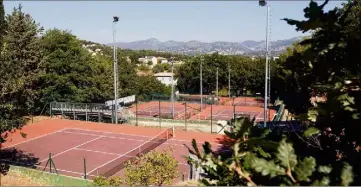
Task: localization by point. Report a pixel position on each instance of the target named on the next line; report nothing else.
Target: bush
(154, 168)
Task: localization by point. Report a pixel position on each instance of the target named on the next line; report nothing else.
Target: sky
(207, 21)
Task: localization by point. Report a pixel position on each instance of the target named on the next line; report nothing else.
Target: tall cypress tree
(2, 23)
(20, 58)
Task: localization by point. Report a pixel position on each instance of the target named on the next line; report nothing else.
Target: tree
(68, 69)
(2, 24)
(245, 74)
(20, 59)
(153, 168)
(161, 68)
(252, 156)
(327, 64)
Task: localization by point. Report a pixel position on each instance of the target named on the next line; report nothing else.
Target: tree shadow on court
(13, 156)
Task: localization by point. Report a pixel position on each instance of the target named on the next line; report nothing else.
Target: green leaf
(196, 149)
(312, 115)
(305, 168)
(324, 169)
(323, 182)
(262, 152)
(286, 155)
(267, 167)
(311, 131)
(346, 175)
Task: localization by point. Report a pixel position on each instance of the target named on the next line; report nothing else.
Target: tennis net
(120, 162)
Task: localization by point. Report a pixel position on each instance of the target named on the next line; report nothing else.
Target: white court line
(106, 132)
(107, 153)
(53, 156)
(121, 155)
(44, 135)
(114, 137)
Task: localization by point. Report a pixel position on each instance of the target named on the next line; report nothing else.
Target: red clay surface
(223, 111)
(151, 109)
(220, 112)
(70, 142)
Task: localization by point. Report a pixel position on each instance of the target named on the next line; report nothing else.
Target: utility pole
(115, 20)
(201, 83)
(172, 96)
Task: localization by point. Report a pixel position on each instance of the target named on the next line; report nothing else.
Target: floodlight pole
(217, 85)
(264, 3)
(115, 20)
(229, 80)
(201, 83)
(172, 96)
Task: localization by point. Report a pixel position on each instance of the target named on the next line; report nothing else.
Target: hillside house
(148, 59)
(162, 60)
(165, 78)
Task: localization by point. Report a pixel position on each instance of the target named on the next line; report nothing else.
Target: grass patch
(21, 176)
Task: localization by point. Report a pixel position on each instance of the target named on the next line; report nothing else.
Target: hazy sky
(167, 20)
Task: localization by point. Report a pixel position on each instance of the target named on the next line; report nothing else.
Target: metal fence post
(86, 112)
(136, 111)
(50, 112)
(185, 117)
(99, 116)
(62, 113)
(84, 168)
(160, 123)
(211, 117)
(73, 109)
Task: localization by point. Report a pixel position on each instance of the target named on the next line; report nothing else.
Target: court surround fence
(157, 111)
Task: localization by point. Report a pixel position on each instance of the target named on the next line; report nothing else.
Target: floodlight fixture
(262, 2)
(115, 19)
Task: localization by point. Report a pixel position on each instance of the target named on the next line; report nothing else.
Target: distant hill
(248, 47)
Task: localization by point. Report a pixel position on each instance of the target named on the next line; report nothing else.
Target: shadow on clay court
(17, 157)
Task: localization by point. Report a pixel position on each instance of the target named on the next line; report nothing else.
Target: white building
(165, 78)
(162, 60)
(147, 59)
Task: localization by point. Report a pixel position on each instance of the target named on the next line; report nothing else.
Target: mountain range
(248, 47)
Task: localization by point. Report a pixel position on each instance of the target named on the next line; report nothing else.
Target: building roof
(163, 74)
(149, 57)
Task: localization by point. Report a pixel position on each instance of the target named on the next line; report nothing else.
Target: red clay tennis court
(105, 152)
(226, 113)
(154, 109)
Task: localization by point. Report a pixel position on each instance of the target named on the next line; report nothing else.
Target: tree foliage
(154, 168)
(327, 64)
(253, 157)
(245, 74)
(20, 59)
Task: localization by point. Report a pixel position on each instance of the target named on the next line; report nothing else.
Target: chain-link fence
(184, 112)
